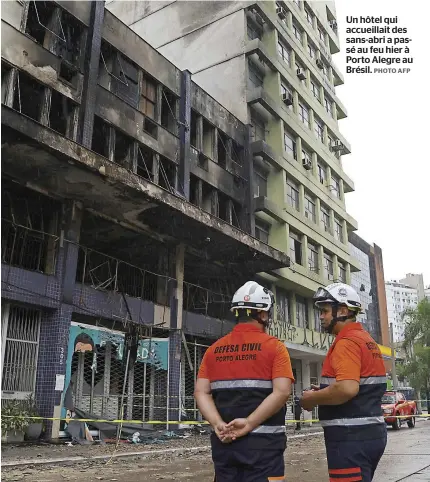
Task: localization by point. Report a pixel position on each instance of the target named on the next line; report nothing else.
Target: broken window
(101, 134)
(222, 149)
(262, 230)
(207, 197)
(6, 71)
(195, 197)
(29, 96)
(208, 139)
(61, 114)
(145, 161)
(224, 209)
(193, 129)
(295, 248)
(260, 181)
(168, 111)
(123, 149)
(236, 153)
(41, 20)
(71, 49)
(168, 174)
(150, 127)
(236, 213)
(148, 97)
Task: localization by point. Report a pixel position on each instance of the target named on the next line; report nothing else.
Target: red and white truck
(395, 404)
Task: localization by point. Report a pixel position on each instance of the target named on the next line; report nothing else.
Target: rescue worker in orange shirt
(353, 381)
(242, 388)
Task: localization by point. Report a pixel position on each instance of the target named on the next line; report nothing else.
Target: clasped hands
(228, 432)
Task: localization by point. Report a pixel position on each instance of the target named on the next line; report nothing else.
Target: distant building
(417, 282)
(370, 285)
(400, 296)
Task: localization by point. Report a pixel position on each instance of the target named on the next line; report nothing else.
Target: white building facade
(399, 297)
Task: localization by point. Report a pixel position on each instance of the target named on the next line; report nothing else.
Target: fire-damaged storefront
(127, 219)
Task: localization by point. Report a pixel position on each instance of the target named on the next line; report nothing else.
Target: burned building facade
(127, 218)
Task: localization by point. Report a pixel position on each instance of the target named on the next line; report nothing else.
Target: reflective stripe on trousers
(348, 422)
(363, 381)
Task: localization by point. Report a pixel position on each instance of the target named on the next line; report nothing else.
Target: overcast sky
(388, 126)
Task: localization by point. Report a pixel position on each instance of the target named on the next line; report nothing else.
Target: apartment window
(297, 32)
(311, 51)
(295, 248)
(338, 230)
(301, 312)
(310, 209)
(148, 97)
(321, 173)
(319, 128)
(260, 181)
(302, 71)
(335, 186)
(253, 31)
(284, 53)
(293, 195)
(287, 90)
(342, 272)
(328, 106)
(309, 17)
(321, 34)
(255, 77)
(282, 305)
(325, 219)
(328, 266)
(262, 231)
(304, 114)
(315, 91)
(290, 144)
(258, 127)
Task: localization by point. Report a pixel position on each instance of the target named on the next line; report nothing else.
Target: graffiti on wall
(285, 331)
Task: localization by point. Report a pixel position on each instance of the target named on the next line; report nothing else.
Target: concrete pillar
(348, 273)
(91, 67)
(328, 172)
(342, 190)
(156, 168)
(318, 211)
(289, 20)
(331, 214)
(185, 134)
(325, 135)
(311, 318)
(199, 134)
(293, 308)
(321, 261)
(344, 232)
(304, 250)
(314, 158)
(295, 102)
(299, 149)
(175, 338)
(335, 268)
(302, 199)
(198, 194)
(311, 120)
(306, 378)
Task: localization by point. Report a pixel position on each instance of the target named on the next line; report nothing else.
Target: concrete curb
(145, 453)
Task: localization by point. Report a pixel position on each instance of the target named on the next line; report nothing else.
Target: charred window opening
(193, 129)
(224, 209)
(148, 97)
(168, 174)
(262, 231)
(150, 127)
(168, 111)
(71, 50)
(40, 18)
(210, 201)
(123, 148)
(236, 214)
(236, 153)
(61, 114)
(29, 96)
(222, 149)
(208, 139)
(194, 190)
(6, 72)
(145, 161)
(28, 228)
(100, 141)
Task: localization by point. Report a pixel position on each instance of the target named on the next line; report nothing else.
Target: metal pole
(393, 358)
(124, 384)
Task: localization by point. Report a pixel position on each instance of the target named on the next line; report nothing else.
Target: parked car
(394, 403)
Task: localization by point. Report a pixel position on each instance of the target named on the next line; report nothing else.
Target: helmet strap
(335, 318)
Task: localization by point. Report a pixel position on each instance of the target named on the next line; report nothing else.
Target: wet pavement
(407, 458)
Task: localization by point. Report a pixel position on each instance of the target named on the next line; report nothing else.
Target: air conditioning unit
(259, 20)
(281, 13)
(301, 74)
(320, 64)
(333, 24)
(307, 163)
(287, 98)
(336, 145)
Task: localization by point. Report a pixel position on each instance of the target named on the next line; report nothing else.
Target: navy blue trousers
(354, 460)
(235, 465)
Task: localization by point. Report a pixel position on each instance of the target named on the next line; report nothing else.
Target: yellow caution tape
(181, 422)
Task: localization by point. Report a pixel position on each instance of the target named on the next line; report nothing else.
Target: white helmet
(252, 296)
(338, 294)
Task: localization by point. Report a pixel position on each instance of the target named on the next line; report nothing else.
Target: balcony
(261, 149)
(262, 204)
(259, 96)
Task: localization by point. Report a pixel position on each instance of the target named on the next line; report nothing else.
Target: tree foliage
(417, 346)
